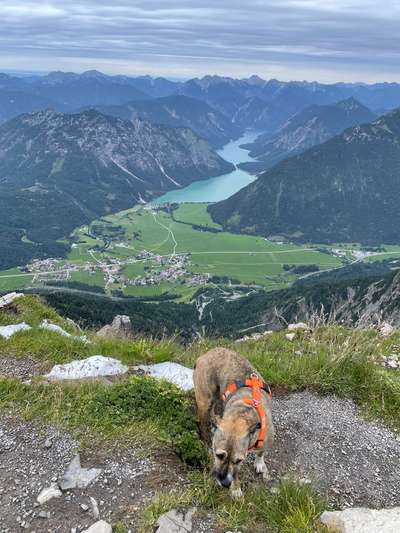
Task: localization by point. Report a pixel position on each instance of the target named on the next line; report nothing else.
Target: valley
(169, 248)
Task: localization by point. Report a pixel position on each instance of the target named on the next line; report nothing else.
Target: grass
(294, 508)
(331, 360)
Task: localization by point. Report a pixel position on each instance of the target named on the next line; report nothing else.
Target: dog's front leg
(260, 466)
(235, 490)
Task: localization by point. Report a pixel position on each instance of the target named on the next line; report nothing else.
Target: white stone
(9, 298)
(99, 527)
(58, 329)
(175, 373)
(8, 331)
(78, 477)
(48, 493)
(386, 329)
(176, 521)
(290, 336)
(298, 325)
(92, 367)
(362, 520)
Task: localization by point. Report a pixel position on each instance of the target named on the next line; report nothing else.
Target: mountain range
(179, 111)
(344, 190)
(58, 171)
(313, 125)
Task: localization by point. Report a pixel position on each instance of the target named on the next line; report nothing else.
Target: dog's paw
(260, 466)
(237, 493)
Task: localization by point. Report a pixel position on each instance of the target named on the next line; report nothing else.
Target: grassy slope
(332, 360)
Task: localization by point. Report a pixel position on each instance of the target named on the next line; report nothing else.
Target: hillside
(344, 190)
(179, 111)
(135, 436)
(311, 126)
(85, 165)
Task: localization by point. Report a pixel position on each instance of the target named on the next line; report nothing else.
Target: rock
(99, 527)
(92, 367)
(95, 508)
(290, 336)
(84, 507)
(175, 521)
(48, 493)
(78, 477)
(297, 326)
(8, 331)
(121, 327)
(46, 324)
(386, 329)
(48, 443)
(7, 299)
(44, 514)
(175, 373)
(362, 520)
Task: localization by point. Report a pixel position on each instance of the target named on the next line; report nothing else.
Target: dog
(234, 410)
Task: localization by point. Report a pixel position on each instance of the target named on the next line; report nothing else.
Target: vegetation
(139, 409)
(344, 190)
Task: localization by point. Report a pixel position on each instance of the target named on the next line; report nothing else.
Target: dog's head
(232, 438)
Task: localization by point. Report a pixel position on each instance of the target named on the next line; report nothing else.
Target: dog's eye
(238, 461)
(220, 456)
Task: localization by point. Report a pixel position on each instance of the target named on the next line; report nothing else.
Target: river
(221, 187)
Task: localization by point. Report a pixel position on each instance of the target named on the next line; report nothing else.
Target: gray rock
(362, 520)
(290, 336)
(176, 521)
(48, 493)
(7, 299)
(95, 508)
(386, 329)
(120, 327)
(298, 326)
(99, 527)
(78, 477)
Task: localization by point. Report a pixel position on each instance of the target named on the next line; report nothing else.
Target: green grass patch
(140, 407)
(293, 509)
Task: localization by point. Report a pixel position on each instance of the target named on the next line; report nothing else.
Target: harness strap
(257, 385)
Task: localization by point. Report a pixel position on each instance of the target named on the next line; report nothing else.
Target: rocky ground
(321, 440)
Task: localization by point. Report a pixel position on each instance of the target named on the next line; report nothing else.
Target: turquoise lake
(221, 187)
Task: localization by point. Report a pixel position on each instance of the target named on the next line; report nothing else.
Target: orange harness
(257, 385)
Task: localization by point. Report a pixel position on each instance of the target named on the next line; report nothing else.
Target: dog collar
(257, 385)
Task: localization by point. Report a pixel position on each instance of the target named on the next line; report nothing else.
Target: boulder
(78, 477)
(179, 375)
(92, 367)
(99, 527)
(120, 328)
(176, 521)
(7, 299)
(49, 493)
(298, 326)
(362, 520)
(386, 329)
(46, 324)
(290, 336)
(9, 331)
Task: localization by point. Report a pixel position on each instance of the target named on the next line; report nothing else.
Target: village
(158, 269)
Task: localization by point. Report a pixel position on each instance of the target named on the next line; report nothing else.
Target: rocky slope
(58, 171)
(179, 111)
(311, 126)
(344, 190)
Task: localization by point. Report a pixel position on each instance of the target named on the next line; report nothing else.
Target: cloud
(327, 40)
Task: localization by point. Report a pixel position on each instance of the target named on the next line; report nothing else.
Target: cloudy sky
(327, 40)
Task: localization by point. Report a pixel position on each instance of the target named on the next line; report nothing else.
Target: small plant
(170, 409)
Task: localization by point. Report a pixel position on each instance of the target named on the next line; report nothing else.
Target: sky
(324, 40)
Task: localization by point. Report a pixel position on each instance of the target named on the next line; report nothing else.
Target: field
(122, 238)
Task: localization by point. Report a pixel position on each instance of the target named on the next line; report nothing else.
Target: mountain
(344, 190)
(58, 171)
(15, 102)
(311, 126)
(179, 111)
(72, 91)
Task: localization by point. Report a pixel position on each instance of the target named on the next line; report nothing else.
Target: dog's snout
(224, 480)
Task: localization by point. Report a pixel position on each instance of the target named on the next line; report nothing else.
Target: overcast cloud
(327, 40)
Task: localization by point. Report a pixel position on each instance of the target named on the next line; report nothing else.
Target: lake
(221, 187)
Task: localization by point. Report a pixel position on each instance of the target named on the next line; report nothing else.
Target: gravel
(325, 440)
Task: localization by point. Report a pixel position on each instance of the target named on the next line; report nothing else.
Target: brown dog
(230, 397)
